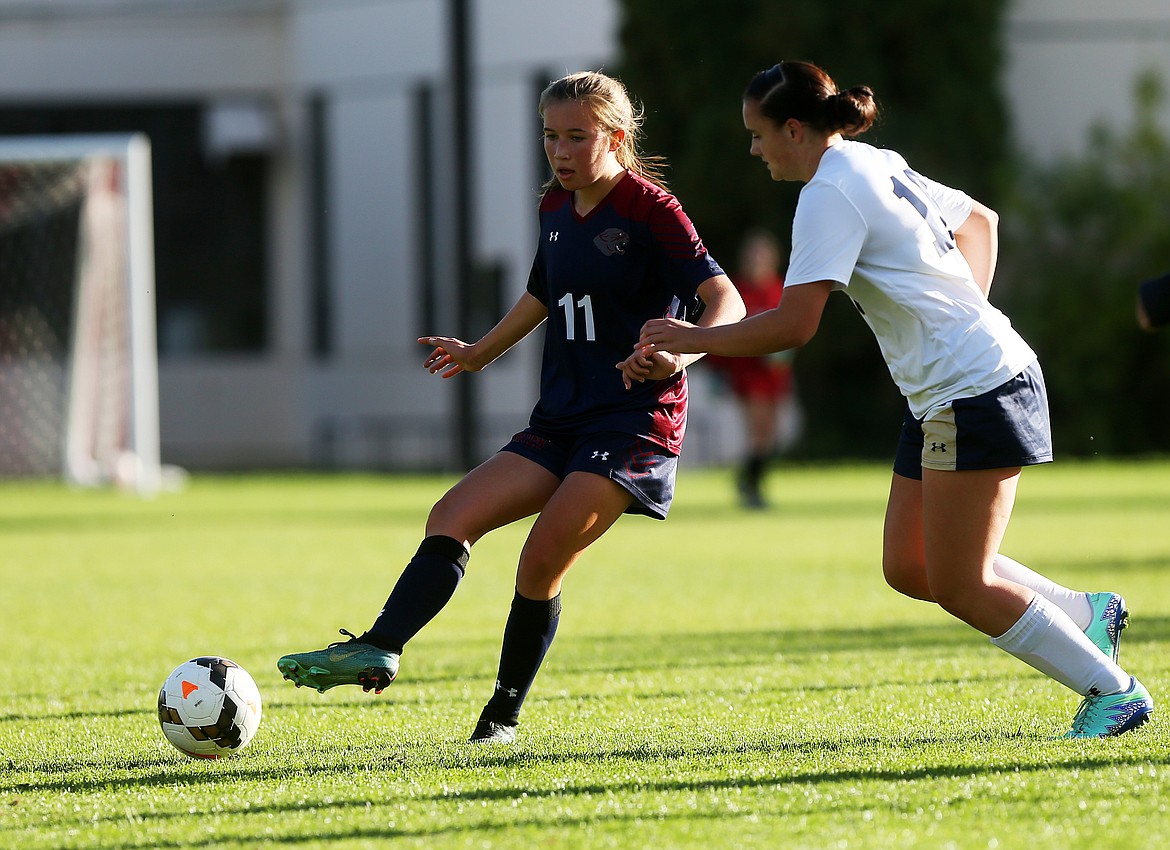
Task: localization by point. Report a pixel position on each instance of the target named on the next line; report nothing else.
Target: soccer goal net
(78, 363)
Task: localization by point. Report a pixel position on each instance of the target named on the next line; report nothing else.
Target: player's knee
(440, 516)
(539, 576)
(449, 517)
(957, 599)
(906, 577)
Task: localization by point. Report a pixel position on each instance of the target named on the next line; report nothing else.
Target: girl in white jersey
(917, 258)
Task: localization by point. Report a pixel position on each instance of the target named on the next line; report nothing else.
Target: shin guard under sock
(532, 625)
(424, 588)
(1047, 639)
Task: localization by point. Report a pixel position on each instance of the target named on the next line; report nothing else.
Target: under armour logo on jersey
(553, 235)
(601, 455)
(512, 692)
(612, 241)
(939, 447)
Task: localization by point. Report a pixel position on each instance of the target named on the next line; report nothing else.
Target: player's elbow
(982, 216)
(728, 309)
(726, 313)
(801, 336)
(798, 328)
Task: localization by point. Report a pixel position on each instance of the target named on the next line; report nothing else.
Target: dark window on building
(425, 190)
(320, 295)
(210, 215)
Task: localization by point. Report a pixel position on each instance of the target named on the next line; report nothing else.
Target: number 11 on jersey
(571, 316)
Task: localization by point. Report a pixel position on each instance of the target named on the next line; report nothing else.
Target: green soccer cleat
(1106, 715)
(347, 662)
(1110, 616)
(490, 732)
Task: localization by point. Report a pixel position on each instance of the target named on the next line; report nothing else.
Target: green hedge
(1077, 235)
(1077, 238)
(934, 68)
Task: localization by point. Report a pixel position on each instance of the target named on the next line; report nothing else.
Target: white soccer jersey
(884, 235)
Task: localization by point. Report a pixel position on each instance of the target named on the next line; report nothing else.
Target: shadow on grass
(634, 654)
(200, 519)
(684, 652)
(782, 753)
(170, 771)
(834, 508)
(73, 715)
(625, 654)
(785, 751)
(1118, 565)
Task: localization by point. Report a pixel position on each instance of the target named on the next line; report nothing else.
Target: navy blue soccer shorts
(1004, 427)
(641, 466)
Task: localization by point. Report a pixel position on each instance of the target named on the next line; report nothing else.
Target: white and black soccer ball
(209, 707)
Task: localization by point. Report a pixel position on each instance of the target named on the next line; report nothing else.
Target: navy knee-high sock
(425, 586)
(532, 625)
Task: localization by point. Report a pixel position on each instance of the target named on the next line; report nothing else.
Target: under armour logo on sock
(512, 692)
(601, 455)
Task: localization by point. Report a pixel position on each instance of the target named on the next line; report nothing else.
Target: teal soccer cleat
(1107, 715)
(1110, 616)
(348, 662)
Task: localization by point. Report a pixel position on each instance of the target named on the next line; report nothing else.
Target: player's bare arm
(978, 241)
(722, 305)
(452, 356)
(791, 324)
(641, 366)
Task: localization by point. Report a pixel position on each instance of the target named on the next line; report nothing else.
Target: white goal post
(78, 357)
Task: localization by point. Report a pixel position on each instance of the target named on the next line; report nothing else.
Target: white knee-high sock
(1072, 602)
(1046, 638)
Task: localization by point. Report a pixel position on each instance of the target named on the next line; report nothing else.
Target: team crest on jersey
(612, 241)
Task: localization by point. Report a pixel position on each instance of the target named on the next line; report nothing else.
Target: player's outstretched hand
(450, 356)
(645, 366)
(671, 335)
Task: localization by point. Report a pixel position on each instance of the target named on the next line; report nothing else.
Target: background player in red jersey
(615, 249)
(762, 386)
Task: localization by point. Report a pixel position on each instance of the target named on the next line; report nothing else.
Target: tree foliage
(1077, 238)
(934, 69)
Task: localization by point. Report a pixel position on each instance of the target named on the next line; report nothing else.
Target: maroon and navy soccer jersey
(634, 257)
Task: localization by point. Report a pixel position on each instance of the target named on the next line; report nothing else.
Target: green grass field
(723, 679)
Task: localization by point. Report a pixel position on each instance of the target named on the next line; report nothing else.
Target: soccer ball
(209, 707)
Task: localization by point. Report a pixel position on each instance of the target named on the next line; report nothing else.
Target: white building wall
(366, 60)
(62, 56)
(1071, 63)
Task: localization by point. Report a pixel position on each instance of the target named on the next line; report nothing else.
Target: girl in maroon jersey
(615, 249)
